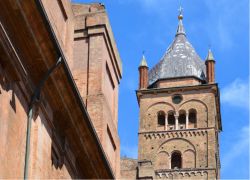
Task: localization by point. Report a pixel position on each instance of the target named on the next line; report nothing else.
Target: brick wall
(177, 82)
(88, 45)
(84, 33)
(129, 168)
(61, 18)
(13, 123)
(197, 144)
(96, 72)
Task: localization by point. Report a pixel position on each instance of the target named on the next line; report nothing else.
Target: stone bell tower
(180, 116)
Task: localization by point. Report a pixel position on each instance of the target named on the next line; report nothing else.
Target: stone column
(187, 120)
(176, 122)
(166, 122)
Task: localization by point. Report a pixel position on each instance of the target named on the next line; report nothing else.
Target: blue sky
(150, 25)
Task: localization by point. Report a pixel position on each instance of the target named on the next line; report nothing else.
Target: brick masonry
(198, 144)
(86, 39)
(97, 72)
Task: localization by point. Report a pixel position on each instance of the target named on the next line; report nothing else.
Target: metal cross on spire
(180, 17)
(180, 29)
(180, 9)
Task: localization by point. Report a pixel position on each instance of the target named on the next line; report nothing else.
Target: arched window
(161, 118)
(192, 117)
(171, 120)
(182, 119)
(176, 161)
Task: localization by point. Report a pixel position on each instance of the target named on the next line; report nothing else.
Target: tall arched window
(161, 118)
(182, 119)
(171, 120)
(192, 117)
(176, 161)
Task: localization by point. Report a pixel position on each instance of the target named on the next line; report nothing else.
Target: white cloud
(229, 20)
(239, 147)
(236, 94)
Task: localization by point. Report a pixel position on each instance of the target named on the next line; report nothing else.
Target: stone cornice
(166, 173)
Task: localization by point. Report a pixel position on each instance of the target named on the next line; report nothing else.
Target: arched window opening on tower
(176, 160)
(192, 117)
(161, 119)
(171, 120)
(182, 119)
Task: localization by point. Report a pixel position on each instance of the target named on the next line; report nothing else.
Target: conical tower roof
(143, 62)
(210, 56)
(180, 59)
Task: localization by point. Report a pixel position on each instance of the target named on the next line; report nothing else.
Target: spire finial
(180, 17)
(210, 56)
(180, 29)
(143, 61)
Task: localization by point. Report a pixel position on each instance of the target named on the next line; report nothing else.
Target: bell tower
(180, 116)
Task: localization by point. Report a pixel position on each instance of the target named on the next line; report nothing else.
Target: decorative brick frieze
(174, 134)
(188, 173)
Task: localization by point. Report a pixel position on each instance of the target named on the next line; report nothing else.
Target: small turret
(143, 73)
(210, 67)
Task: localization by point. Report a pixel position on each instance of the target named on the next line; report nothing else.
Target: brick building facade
(179, 116)
(59, 80)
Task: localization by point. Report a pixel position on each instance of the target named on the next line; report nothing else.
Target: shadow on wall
(13, 102)
(48, 145)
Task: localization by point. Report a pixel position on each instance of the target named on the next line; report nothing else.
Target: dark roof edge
(180, 77)
(71, 81)
(175, 88)
(218, 106)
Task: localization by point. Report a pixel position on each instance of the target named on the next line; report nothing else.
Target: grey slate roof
(180, 60)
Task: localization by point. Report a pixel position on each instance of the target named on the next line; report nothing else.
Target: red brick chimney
(210, 64)
(143, 74)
